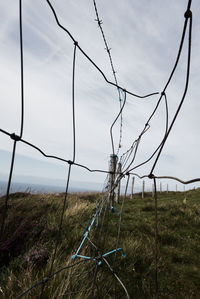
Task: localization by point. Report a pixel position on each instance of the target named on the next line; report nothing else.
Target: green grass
(30, 237)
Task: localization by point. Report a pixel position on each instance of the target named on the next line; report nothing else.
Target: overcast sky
(144, 37)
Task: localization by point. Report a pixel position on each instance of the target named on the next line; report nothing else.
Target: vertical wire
(5, 208)
(73, 102)
(120, 220)
(22, 68)
(184, 93)
(121, 211)
(156, 238)
(119, 114)
(69, 169)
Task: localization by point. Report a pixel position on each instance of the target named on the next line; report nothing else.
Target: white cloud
(144, 37)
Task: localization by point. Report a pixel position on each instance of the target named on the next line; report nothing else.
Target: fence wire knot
(45, 279)
(188, 14)
(15, 137)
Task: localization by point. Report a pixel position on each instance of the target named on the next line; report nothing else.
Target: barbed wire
(93, 63)
(108, 49)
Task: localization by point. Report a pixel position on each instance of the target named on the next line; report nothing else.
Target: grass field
(30, 237)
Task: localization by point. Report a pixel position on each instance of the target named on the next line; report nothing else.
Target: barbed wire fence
(106, 203)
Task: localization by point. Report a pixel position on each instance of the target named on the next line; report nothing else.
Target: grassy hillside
(31, 232)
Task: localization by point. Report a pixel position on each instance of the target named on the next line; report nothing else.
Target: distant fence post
(132, 187)
(160, 187)
(111, 181)
(119, 170)
(143, 187)
(176, 188)
(167, 188)
(153, 190)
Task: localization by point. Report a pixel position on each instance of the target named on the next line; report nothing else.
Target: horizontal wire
(45, 279)
(122, 174)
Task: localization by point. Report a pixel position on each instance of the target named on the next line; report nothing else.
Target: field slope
(31, 233)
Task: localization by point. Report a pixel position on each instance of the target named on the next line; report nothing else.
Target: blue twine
(88, 228)
(113, 209)
(99, 262)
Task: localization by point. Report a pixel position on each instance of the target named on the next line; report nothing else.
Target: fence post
(143, 187)
(111, 181)
(132, 187)
(167, 188)
(153, 190)
(160, 187)
(176, 188)
(119, 170)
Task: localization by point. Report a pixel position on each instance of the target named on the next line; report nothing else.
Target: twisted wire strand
(93, 63)
(115, 80)
(114, 122)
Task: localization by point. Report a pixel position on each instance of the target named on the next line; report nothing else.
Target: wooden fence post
(132, 187)
(167, 188)
(143, 187)
(119, 170)
(111, 181)
(160, 187)
(153, 190)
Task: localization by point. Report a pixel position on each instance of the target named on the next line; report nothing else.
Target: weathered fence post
(167, 188)
(176, 188)
(132, 187)
(143, 187)
(111, 181)
(160, 187)
(119, 170)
